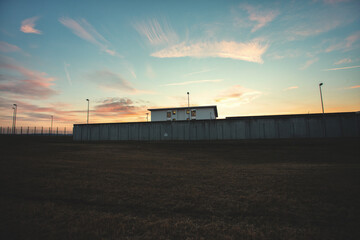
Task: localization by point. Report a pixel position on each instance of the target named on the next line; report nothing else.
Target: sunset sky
(246, 57)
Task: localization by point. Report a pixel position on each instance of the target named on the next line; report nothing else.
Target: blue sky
(246, 57)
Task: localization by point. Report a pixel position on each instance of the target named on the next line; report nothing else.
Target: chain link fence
(55, 131)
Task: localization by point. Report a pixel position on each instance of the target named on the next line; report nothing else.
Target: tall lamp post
(322, 103)
(14, 118)
(188, 104)
(87, 121)
(52, 119)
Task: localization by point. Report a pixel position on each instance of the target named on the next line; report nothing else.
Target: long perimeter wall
(258, 127)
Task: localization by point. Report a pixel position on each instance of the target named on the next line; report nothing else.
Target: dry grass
(53, 188)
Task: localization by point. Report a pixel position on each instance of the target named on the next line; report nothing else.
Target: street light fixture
(322, 103)
(87, 121)
(14, 118)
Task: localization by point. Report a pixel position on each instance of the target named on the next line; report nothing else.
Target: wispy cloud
(237, 95)
(317, 28)
(198, 72)
(307, 22)
(353, 87)
(7, 47)
(24, 82)
(346, 44)
(115, 82)
(262, 17)
(291, 88)
(309, 63)
(150, 73)
(66, 65)
(156, 33)
(84, 30)
(342, 61)
(342, 68)
(251, 51)
(194, 82)
(28, 26)
(335, 1)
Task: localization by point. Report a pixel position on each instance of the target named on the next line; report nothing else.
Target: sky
(246, 57)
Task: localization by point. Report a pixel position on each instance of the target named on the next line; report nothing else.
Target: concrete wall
(260, 127)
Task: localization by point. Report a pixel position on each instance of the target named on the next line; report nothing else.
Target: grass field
(53, 188)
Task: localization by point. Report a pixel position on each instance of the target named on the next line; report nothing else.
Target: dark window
(193, 113)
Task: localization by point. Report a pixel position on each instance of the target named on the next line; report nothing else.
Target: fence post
(57, 131)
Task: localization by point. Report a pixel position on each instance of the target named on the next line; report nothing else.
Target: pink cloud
(27, 26)
(237, 95)
(261, 17)
(251, 51)
(119, 110)
(309, 63)
(291, 88)
(26, 83)
(114, 82)
(345, 60)
(346, 44)
(194, 82)
(7, 47)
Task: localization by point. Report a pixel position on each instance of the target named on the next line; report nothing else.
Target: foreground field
(53, 188)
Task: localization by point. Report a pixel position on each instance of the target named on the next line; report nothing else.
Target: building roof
(191, 107)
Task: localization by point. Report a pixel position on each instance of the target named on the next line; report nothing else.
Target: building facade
(184, 113)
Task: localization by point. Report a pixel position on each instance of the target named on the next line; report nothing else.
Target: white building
(183, 113)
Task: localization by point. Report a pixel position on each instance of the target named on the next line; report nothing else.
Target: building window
(168, 114)
(193, 113)
(187, 111)
(174, 112)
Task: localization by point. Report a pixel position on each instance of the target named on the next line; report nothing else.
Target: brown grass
(53, 188)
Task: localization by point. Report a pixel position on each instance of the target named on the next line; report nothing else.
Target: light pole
(188, 104)
(14, 118)
(87, 121)
(52, 118)
(322, 103)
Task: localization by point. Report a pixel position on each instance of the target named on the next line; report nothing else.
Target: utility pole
(87, 121)
(188, 104)
(322, 103)
(14, 119)
(52, 118)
